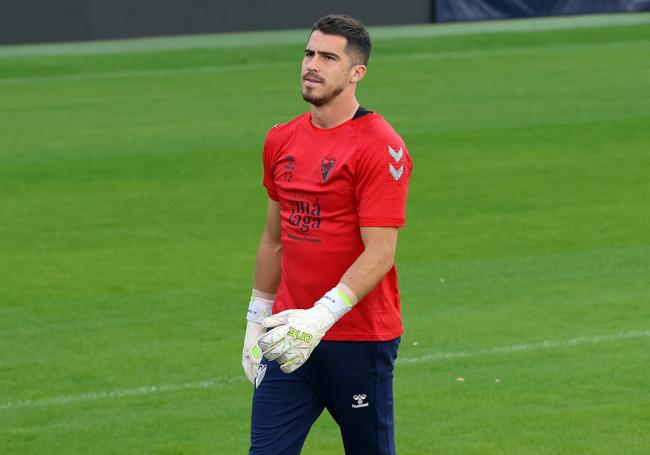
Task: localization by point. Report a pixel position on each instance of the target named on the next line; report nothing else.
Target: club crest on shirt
(325, 167)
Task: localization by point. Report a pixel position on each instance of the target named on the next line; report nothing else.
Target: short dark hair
(358, 45)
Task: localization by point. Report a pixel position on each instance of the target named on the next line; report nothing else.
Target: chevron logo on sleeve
(397, 156)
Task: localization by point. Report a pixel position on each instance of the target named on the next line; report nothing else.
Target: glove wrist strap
(258, 309)
(337, 302)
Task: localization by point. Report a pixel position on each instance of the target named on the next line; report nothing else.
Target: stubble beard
(324, 98)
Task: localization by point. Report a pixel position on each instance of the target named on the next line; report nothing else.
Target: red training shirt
(329, 183)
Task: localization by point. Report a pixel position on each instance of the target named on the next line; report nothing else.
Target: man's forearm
(366, 272)
(267, 265)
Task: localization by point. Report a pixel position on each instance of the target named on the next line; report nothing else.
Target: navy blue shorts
(352, 379)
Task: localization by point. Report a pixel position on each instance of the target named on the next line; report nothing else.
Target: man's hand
(258, 309)
(297, 332)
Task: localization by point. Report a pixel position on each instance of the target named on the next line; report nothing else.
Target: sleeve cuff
(272, 194)
(381, 222)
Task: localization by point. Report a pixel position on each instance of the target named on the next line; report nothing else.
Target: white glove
(258, 309)
(298, 332)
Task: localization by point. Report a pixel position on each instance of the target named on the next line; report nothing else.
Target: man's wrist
(260, 307)
(349, 293)
(263, 295)
(337, 301)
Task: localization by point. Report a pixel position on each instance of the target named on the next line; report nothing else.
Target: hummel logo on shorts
(359, 401)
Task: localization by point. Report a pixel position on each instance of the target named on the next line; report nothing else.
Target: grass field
(131, 207)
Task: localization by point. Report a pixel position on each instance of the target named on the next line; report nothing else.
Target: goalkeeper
(324, 319)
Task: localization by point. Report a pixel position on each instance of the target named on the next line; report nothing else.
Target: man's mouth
(312, 81)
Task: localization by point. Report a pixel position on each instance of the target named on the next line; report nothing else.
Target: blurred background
(32, 21)
(131, 207)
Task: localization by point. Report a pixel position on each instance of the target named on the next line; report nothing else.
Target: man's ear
(357, 72)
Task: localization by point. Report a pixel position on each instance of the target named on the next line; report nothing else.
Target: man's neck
(334, 113)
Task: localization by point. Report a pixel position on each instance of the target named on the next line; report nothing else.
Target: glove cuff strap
(337, 302)
(258, 309)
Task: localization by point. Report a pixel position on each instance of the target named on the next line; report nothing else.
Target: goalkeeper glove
(296, 333)
(258, 309)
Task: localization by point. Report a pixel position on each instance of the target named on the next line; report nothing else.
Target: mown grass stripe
(221, 382)
(208, 69)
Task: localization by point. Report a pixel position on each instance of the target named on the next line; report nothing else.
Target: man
(337, 179)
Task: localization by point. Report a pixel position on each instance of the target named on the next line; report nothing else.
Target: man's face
(326, 68)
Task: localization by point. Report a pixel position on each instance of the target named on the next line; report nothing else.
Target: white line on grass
(525, 347)
(215, 383)
(92, 396)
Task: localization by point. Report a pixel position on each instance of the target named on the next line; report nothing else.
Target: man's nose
(312, 65)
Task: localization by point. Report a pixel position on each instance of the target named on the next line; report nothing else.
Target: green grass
(131, 207)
